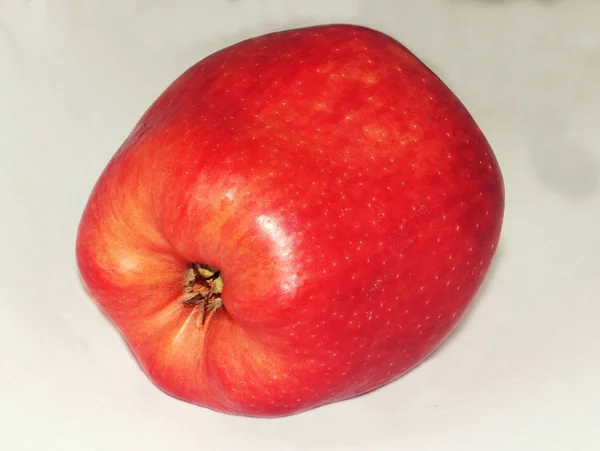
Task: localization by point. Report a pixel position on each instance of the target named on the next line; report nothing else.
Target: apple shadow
(471, 310)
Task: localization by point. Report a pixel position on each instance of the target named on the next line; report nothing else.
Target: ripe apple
(298, 219)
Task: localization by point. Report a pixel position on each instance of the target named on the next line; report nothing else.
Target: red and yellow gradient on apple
(298, 219)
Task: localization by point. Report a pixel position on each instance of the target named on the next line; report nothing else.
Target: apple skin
(348, 198)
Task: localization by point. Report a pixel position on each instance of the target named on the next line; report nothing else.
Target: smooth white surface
(522, 370)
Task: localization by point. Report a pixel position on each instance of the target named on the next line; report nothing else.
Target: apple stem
(202, 290)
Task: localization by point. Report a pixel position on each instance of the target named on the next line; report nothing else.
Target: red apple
(298, 219)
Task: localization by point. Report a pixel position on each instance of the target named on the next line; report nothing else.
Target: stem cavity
(202, 291)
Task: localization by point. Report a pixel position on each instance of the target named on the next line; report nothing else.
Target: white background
(522, 370)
